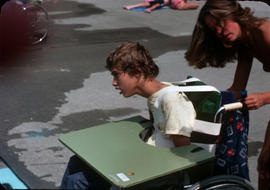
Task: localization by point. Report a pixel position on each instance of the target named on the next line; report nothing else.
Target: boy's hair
(132, 58)
(206, 49)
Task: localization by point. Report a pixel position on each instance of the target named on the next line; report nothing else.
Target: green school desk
(117, 153)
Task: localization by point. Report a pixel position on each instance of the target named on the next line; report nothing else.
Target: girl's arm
(242, 73)
(252, 101)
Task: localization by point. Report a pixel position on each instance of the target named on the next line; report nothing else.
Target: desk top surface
(116, 151)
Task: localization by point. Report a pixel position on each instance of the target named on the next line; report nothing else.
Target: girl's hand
(254, 101)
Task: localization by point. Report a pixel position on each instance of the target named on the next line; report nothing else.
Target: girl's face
(124, 82)
(228, 32)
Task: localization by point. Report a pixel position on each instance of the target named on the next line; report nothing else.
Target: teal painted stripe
(7, 176)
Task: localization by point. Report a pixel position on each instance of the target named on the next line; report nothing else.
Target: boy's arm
(179, 115)
(180, 140)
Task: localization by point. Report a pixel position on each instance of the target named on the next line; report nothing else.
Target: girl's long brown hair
(206, 49)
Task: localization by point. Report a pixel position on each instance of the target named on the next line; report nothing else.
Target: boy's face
(124, 82)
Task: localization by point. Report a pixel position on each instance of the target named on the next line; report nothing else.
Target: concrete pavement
(62, 85)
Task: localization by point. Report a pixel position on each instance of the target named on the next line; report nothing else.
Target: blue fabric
(232, 144)
(228, 96)
(142, 9)
(79, 176)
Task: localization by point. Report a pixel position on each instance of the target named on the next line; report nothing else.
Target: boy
(173, 115)
(134, 72)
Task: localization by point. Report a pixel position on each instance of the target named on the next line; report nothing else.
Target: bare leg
(144, 4)
(264, 163)
(150, 9)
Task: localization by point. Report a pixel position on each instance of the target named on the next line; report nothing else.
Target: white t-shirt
(173, 114)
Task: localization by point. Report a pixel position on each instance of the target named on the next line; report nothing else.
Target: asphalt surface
(62, 84)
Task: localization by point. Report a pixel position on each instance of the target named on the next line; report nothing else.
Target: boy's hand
(147, 133)
(180, 140)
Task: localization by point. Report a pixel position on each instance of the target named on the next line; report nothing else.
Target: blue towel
(232, 144)
(142, 9)
(228, 96)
